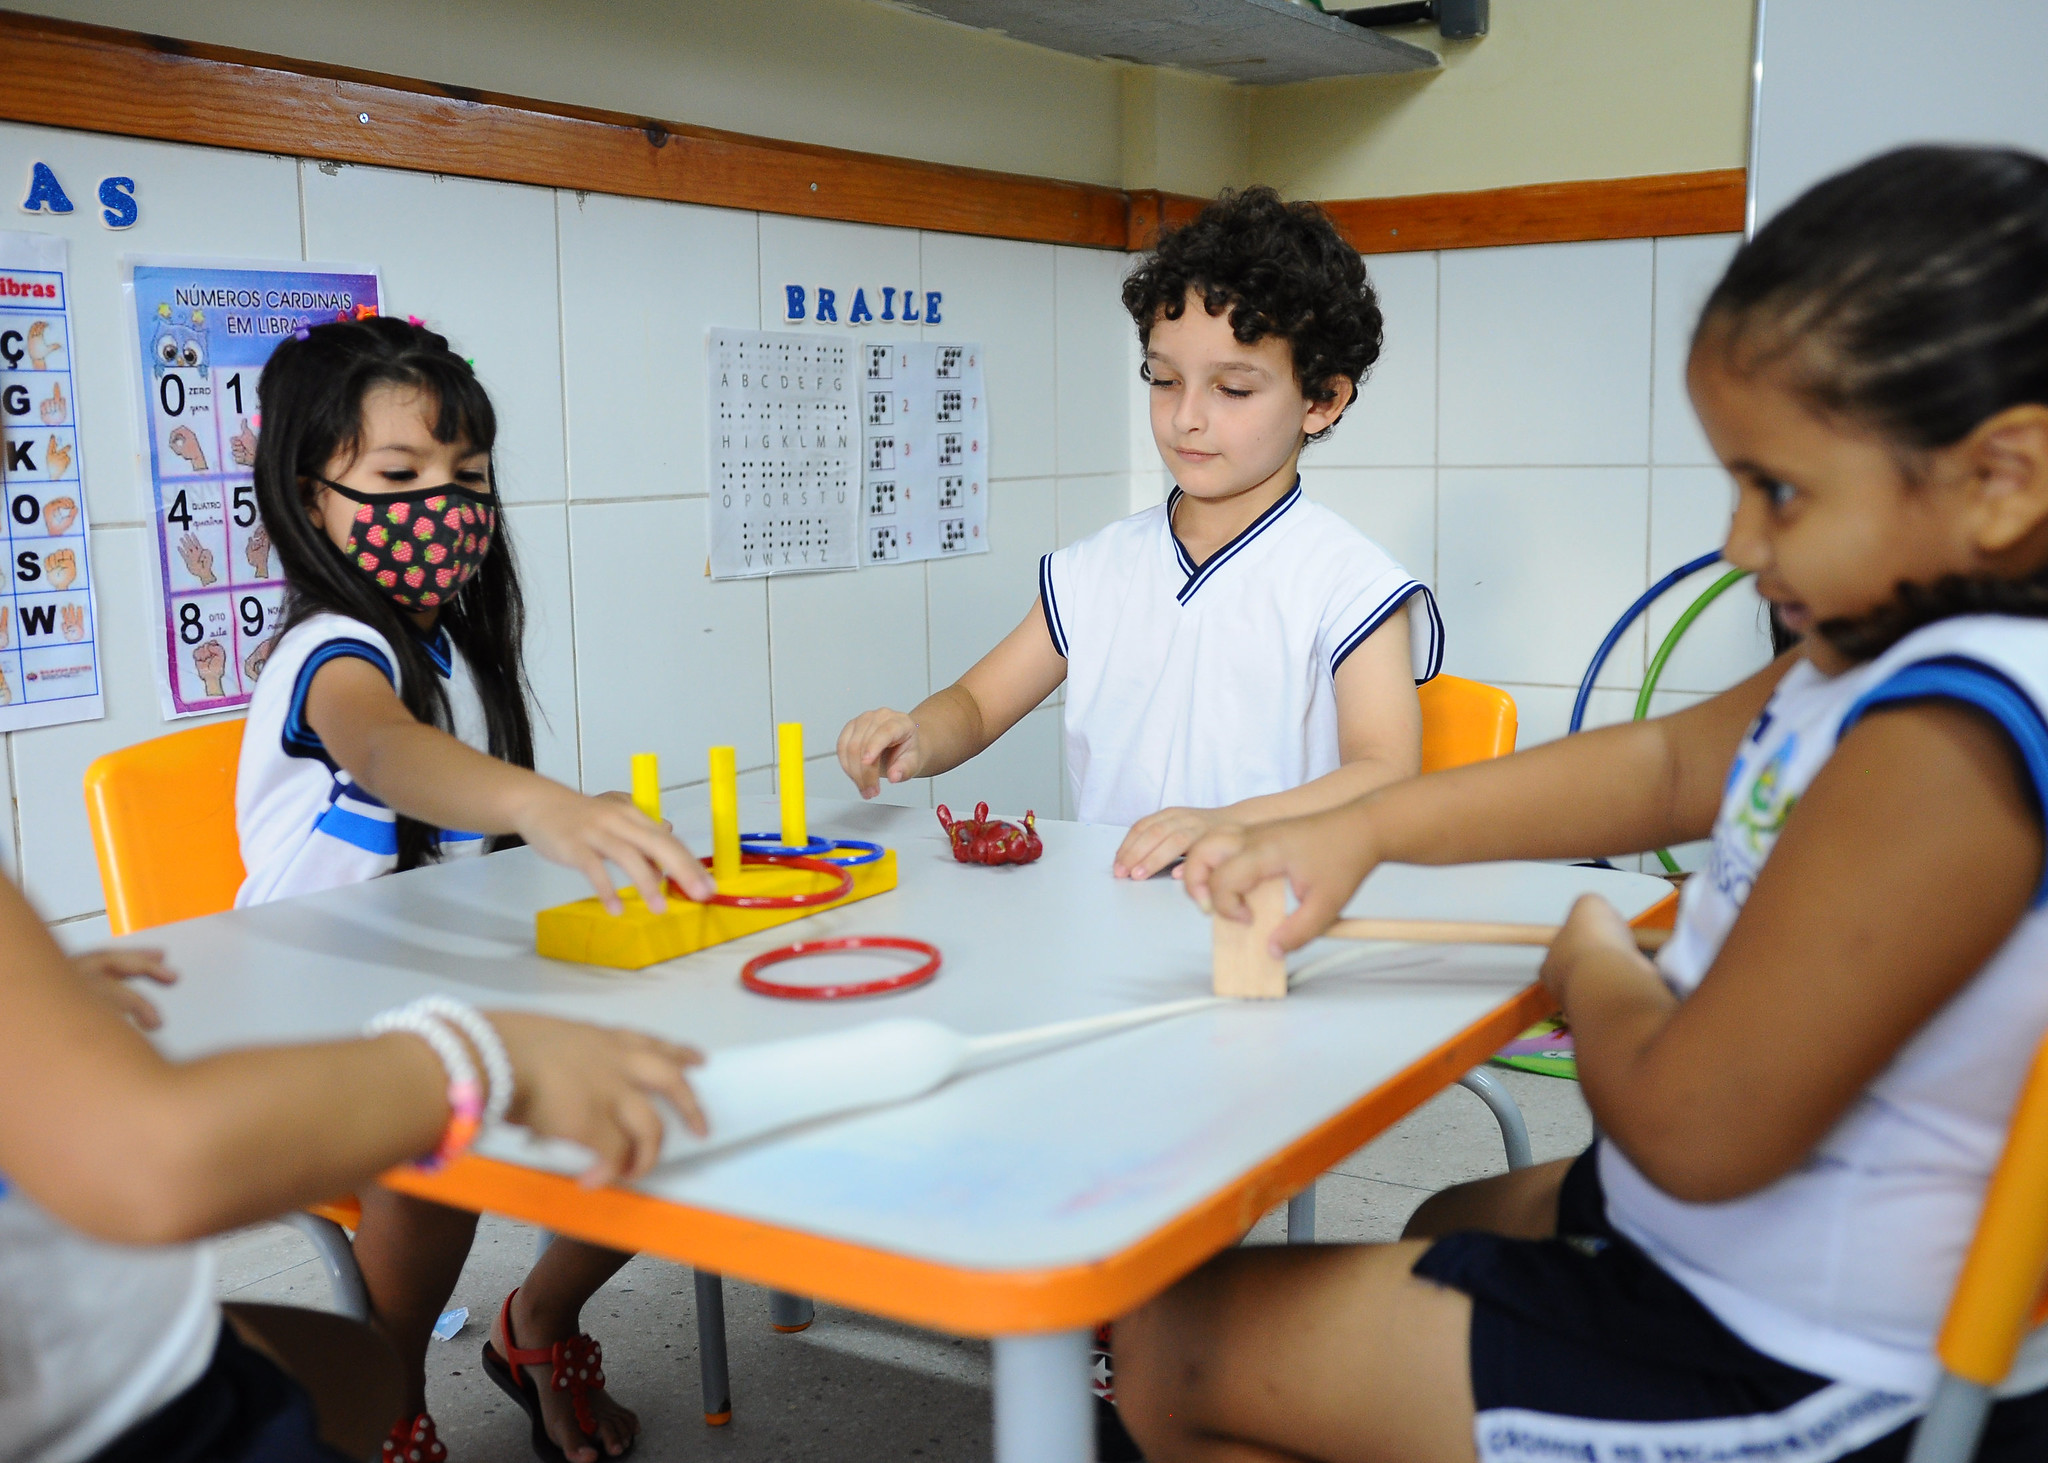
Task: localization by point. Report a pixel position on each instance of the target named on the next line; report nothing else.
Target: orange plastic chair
(1998, 1296)
(1464, 721)
(163, 824)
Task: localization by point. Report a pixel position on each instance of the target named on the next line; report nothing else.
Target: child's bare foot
(579, 1416)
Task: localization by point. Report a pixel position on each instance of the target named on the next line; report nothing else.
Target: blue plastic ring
(871, 853)
(771, 845)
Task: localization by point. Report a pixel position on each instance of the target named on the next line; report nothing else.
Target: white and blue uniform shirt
(1844, 1266)
(1199, 685)
(304, 824)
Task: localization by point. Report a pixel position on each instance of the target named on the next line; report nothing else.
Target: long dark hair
(1908, 295)
(312, 395)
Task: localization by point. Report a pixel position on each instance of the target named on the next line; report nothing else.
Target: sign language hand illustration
(40, 346)
(255, 660)
(211, 662)
(57, 459)
(242, 446)
(257, 552)
(61, 568)
(72, 618)
(198, 559)
(55, 409)
(184, 442)
(59, 514)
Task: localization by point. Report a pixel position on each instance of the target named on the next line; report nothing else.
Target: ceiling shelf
(1262, 42)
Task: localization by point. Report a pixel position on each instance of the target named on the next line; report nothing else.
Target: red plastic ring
(842, 884)
(750, 976)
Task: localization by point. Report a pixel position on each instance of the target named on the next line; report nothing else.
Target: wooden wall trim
(95, 79)
(1547, 213)
(98, 80)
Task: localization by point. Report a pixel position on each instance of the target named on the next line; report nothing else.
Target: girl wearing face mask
(391, 730)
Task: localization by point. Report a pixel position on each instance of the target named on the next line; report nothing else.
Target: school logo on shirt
(1748, 828)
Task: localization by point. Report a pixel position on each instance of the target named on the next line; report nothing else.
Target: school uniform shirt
(1844, 1267)
(303, 822)
(94, 1337)
(1197, 685)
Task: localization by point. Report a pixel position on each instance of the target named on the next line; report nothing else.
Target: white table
(1026, 1203)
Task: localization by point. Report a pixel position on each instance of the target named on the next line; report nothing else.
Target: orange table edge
(962, 1301)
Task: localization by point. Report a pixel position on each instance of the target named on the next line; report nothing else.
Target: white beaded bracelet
(465, 1100)
(473, 1024)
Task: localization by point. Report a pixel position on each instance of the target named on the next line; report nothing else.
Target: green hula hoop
(1713, 592)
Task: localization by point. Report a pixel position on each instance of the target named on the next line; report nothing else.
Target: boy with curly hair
(1238, 653)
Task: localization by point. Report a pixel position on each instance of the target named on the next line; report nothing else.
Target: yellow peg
(725, 814)
(789, 752)
(647, 784)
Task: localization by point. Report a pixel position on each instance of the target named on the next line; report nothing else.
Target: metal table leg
(1301, 1217)
(339, 1258)
(788, 1312)
(1513, 1131)
(711, 1348)
(1044, 1412)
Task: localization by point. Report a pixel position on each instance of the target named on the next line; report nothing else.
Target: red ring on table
(842, 884)
(750, 976)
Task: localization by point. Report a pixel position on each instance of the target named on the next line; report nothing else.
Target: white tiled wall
(1524, 445)
(586, 317)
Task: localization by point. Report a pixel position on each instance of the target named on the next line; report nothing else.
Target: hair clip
(304, 332)
(366, 312)
(414, 320)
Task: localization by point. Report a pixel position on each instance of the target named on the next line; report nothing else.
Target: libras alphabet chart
(204, 330)
(49, 622)
(924, 492)
(785, 444)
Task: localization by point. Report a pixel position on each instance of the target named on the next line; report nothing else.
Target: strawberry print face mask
(419, 548)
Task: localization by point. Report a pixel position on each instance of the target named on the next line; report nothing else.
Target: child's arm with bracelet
(962, 721)
(1910, 858)
(114, 1140)
(424, 773)
(1647, 784)
(1379, 738)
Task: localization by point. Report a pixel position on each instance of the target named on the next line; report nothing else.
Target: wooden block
(1243, 967)
(638, 938)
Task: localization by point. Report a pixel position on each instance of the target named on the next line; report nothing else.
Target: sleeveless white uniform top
(93, 1337)
(1199, 685)
(1844, 1266)
(304, 825)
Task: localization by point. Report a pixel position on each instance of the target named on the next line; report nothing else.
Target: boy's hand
(106, 971)
(1157, 840)
(1323, 856)
(578, 832)
(595, 1085)
(879, 744)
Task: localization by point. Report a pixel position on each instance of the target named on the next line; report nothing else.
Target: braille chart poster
(924, 493)
(204, 329)
(49, 622)
(785, 453)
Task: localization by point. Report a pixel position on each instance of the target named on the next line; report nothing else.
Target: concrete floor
(853, 1387)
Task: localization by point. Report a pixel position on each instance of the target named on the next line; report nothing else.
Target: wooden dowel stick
(1466, 932)
(1245, 969)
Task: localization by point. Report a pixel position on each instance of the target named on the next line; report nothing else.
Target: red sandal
(576, 1367)
(413, 1440)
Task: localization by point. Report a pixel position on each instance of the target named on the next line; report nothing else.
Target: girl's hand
(625, 799)
(105, 972)
(1157, 840)
(1593, 932)
(567, 828)
(596, 1085)
(879, 744)
(1323, 857)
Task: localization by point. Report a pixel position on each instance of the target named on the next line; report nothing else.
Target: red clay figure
(985, 840)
